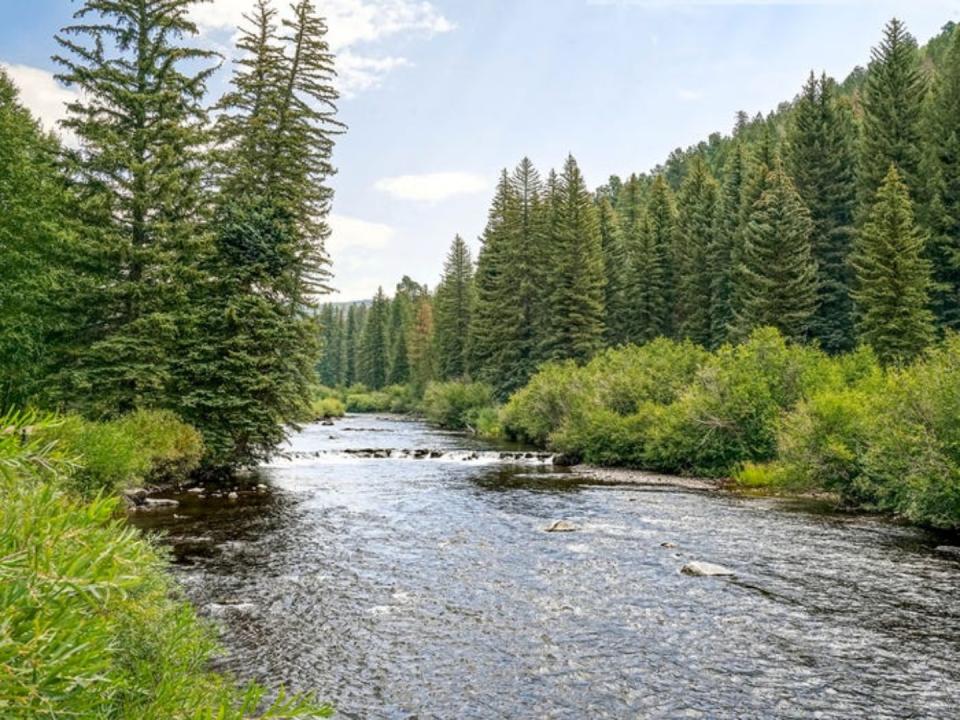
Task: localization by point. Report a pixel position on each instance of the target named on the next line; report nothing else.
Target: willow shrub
(457, 405)
(144, 446)
(91, 625)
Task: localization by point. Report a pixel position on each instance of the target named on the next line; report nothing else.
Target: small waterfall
(479, 457)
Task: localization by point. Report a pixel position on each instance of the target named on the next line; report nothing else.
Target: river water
(425, 587)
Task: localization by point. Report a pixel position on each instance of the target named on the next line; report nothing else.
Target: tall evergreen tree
(725, 250)
(698, 203)
(375, 349)
(453, 310)
(821, 160)
(401, 317)
(944, 177)
(270, 228)
(422, 359)
(650, 293)
(353, 332)
(137, 172)
(892, 110)
(777, 272)
(616, 272)
(33, 248)
(892, 277)
(575, 326)
(330, 368)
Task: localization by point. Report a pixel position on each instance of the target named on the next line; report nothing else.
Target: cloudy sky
(440, 94)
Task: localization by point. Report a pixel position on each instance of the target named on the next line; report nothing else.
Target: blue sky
(441, 94)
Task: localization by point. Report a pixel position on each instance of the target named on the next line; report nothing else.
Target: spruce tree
(453, 310)
(374, 346)
(725, 250)
(892, 277)
(821, 161)
(892, 107)
(137, 174)
(651, 268)
(944, 177)
(575, 322)
(422, 357)
(34, 249)
(778, 275)
(616, 272)
(352, 334)
(698, 204)
(401, 317)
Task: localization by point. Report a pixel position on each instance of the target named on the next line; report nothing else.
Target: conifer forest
(228, 490)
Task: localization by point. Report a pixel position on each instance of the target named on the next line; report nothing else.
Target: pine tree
(422, 360)
(725, 250)
(650, 268)
(330, 368)
(698, 204)
(276, 131)
(892, 108)
(777, 271)
(892, 277)
(616, 272)
(374, 345)
(575, 326)
(453, 311)
(821, 161)
(494, 354)
(353, 332)
(401, 317)
(944, 134)
(33, 249)
(137, 173)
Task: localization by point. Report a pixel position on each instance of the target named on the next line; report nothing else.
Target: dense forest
(835, 219)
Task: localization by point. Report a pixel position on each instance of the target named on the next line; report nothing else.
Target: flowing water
(422, 585)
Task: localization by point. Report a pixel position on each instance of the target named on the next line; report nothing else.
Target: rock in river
(705, 569)
(949, 550)
(560, 526)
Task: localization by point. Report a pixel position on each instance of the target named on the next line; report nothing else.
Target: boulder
(705, 569)
(137, 496)
(668, 545)
(560, 526)
(565, 460)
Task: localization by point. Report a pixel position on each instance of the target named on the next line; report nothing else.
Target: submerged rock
(561, 526)
(705, 569)
(156, 503)
(668, 545)
(949, 550)
(219, 610)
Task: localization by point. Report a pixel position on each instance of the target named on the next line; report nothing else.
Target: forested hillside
(835, 219)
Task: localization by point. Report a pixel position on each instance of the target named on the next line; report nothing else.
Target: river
(423, 585)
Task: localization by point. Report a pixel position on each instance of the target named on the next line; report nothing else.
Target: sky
(440, 95)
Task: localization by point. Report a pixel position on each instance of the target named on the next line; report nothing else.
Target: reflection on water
(426, 588)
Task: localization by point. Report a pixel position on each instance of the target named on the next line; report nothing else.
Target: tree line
(171, 257)
(835, 219)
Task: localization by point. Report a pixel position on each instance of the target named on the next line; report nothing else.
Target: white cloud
(351, 23)
(432, 187)
(41, 93)
(356, 73)
(347, 233)
(689, 95)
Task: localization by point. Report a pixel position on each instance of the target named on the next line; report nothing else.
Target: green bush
(729, 415)
(328, 407)
(144, 446)
(485, 422)
(91, 625)
(911, 465)
(454, 404)
(540, 408)
(369, 402)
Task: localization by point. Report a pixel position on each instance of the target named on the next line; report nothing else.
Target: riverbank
(93, 624)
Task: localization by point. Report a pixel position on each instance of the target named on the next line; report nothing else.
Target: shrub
(454, 404)
(485, 422)
(328, 407)
(729, 415)
(543, 405)
(91, 626)
(368, 402)
(753, 476)
(147, 445)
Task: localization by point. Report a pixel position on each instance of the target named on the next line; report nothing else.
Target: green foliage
(143, 446)
(91, 624)
(328, 407)
(893, 278)
(375, 361)
(394, 399)
(454, 308)
(777, 275)
(650, 290)
(456, 405)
